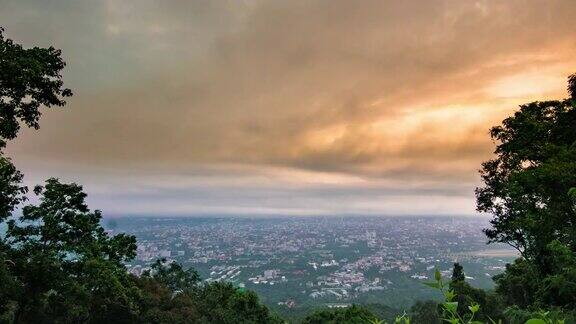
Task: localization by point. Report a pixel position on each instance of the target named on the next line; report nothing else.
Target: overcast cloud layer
(323, 107)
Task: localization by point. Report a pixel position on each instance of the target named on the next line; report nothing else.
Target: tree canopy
(458, 273)
(30, 78)
(526, 185)
(349, 315)
(528, 188)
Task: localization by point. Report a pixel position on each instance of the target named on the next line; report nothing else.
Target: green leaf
(432, 284)
(449, 295)
(474, 308)
(437, 275)
(535, 321)
(572, 192)
(451, 306)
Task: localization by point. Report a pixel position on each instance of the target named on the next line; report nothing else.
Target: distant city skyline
(298, 261)
(263, 108)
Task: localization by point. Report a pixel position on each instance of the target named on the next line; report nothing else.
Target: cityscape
(276, 162)
(303, 262)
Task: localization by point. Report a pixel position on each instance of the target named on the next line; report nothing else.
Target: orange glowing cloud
(382, 94)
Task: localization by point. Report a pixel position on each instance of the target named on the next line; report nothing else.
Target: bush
(349, 315)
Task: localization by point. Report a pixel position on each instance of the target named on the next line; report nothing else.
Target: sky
(258, 108)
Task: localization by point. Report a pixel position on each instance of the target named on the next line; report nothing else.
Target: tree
(466, 296)
(425, 312)
(518, 283)
(29, 79)
(559, 289)
(11, 189)
(70, 269)
(160, 304)
(215, 302)
(173, 276)
(526, 184)
(11, 195)
(220, 302)
(458, 273)
(528, 188)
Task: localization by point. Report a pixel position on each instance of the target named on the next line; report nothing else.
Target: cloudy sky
(318, 107)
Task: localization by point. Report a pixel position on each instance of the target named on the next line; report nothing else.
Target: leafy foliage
(529, 189)
(222, 303)
(211, 303)
(526, 184)
(69, 270)
(518, 283)
(450, 307)
(522, 286)
(173, 276)
(515, 315)
(67, 265)
(425, 312)
(349, 315)
(29, 78)
(458, 273)
(11, 189)
(352, 314)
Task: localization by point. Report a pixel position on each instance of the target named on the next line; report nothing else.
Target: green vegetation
(29, 79)
(58, 264)
(352, 314)
(529, 189)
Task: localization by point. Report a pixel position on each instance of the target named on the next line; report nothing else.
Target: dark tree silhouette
(458, 273)
(29, 79)
(528, 188)
(572, 86)
(348, 315)
(526, 185)
(68, 265)
(173, 276)
(11, 188)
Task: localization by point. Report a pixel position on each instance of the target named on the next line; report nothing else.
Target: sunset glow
(352, 110)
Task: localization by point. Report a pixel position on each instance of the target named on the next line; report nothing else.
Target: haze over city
(286, 107)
